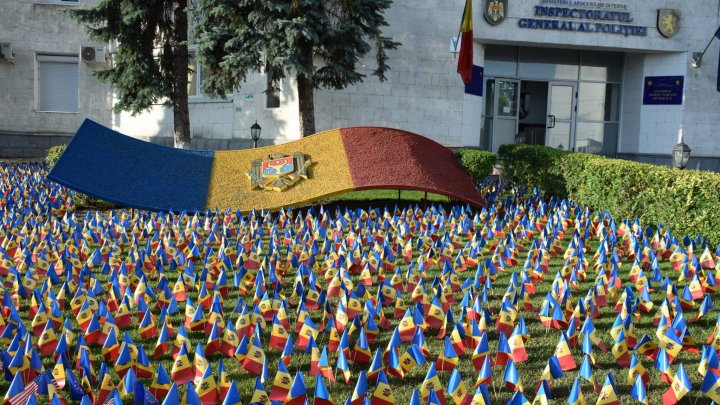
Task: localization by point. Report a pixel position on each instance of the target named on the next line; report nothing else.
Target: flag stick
(699, 58)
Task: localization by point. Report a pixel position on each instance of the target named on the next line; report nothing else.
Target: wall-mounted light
(680, 155)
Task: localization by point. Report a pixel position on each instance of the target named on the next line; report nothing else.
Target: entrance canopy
(111, 166)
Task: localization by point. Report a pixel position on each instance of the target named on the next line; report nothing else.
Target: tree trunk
(181, 112)
(306, 90)
(306, 102)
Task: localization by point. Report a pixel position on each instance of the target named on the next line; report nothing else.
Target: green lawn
(540, 346)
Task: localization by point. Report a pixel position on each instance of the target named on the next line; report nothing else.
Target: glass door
(505, 121)
(561, 115)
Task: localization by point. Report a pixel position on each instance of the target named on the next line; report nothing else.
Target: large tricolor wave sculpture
(111, 166)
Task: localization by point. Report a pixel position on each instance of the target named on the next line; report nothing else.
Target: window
(195, 76)
(57, 79)
(272, 96)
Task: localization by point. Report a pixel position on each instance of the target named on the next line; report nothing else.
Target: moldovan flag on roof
(679, 387)
(465, 61)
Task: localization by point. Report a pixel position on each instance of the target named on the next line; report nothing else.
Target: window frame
(38, 94)
(267, 91)
(199, 97)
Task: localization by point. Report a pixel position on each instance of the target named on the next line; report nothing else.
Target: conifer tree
(320, 42)
(150, 63)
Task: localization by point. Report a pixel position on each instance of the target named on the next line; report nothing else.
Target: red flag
(465, 62)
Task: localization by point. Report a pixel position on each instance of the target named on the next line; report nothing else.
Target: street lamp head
(255, 130)
(681, 155)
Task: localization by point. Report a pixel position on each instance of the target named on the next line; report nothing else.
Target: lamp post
(255, 133)
(680, 155)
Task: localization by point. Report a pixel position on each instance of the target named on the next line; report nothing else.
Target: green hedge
(478, 163)
(534, 166)
(686, 201)
(81, 200)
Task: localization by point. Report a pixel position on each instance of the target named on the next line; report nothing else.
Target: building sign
(475, 87)
(583, 16)
(663, 90)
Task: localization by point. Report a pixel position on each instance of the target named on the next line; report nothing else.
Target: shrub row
(478, 163)
(686, 201)
(534, 166)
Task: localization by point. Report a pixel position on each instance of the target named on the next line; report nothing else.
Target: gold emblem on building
(668, 22)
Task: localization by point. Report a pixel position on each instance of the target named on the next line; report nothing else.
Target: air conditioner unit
(7, 51)
(93, 54)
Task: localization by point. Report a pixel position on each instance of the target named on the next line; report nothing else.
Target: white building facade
(585, 75)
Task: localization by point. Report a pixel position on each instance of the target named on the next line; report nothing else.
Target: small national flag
(361, 387)
(576, 396)
(322, 396)
(281, 384)
(638, 390)
(608, 393)
(679, 387)
(457, 390)
(711, 385)
(182, 370)
(511, 377)
(232, 397)
(298, 393)
(543, 394)
(448, 359)
(383, 394)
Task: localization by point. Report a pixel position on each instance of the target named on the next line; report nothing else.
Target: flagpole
(698, 59)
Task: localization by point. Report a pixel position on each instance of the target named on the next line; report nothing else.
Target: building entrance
(560, 98)
(533, 112)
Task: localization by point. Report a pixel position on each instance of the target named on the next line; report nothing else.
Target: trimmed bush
(81, 200)
(53, 154)
(686, 201)
(478, 163)
(534, 166)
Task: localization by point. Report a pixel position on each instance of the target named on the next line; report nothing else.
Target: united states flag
(31, 389)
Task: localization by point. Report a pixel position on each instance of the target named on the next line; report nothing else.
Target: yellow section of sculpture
(328, 174)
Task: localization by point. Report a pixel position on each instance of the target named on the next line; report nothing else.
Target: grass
(540, 346)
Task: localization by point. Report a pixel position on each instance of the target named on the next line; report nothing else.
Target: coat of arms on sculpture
(278, 172)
